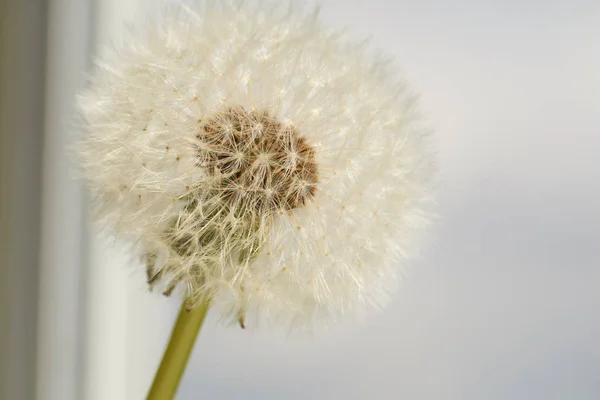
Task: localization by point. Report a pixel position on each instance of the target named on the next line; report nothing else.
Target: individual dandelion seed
(257, 159)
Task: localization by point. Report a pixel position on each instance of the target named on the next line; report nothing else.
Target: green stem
(172, 366)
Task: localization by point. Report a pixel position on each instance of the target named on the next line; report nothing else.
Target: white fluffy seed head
(256, 159)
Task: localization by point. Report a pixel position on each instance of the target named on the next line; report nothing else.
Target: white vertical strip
(106, 286)
(106, 320)
(124, 334)
(62, 236)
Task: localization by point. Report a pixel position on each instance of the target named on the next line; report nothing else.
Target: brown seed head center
(257, 160)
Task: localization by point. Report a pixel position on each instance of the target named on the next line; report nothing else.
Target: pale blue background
(505, 305)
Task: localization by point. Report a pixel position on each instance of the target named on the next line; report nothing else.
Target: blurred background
(504, 304)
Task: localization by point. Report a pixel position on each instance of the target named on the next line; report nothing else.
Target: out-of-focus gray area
(22, 61)
(505, 303)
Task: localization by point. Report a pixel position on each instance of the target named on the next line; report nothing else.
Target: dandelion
(257, 161)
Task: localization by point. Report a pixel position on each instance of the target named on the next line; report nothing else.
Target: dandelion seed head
(255, 158)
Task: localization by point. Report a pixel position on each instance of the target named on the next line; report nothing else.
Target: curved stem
(181, 343)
